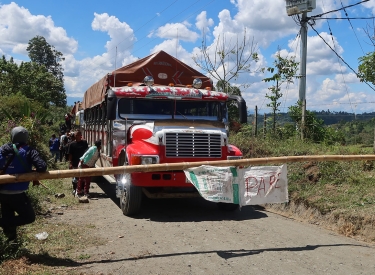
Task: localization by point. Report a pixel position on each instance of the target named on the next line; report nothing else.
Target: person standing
(17, 158)
(76, 149)
(54, 147)
(68, 121)
(88, 160)
(71, 138)
(63, 142)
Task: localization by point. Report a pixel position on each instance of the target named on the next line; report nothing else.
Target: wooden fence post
(264, 125)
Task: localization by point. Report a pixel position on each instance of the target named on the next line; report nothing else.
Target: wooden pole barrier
(59, 174)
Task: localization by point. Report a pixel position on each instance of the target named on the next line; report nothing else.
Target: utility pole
(302, 81)
(294, 7)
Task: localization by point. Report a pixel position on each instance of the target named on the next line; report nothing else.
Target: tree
(38, 84)
(233, 114)
(49, 76)
(366, 69)
(43, 53)
(286, 69)
(8, 76)
(225, 60)
(314, 127)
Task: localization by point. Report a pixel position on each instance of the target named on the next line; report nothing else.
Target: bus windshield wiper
(182, 115)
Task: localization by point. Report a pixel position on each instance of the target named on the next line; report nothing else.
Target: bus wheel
(227, 206)
(131, 199)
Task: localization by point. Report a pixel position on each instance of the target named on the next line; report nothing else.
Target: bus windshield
(133, 108)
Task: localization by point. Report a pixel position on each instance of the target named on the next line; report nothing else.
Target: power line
(352, 28)
(320, 15)
(351, 18)
(145, 24)
(171, 19)
(343, 78)
(311, 25)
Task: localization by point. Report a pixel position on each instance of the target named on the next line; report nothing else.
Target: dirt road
(191, 236)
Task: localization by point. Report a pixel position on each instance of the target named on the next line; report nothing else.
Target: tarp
(244, 186)
(164, 68)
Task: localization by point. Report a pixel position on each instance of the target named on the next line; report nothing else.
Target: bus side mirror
(242, 109)
(111, 105)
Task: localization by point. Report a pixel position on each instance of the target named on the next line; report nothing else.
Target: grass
(337, 191)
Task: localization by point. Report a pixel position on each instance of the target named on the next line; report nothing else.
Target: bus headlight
(144, 159)
(150, 160)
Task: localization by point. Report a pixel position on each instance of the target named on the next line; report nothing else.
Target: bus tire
(227, 206)
(131, 199)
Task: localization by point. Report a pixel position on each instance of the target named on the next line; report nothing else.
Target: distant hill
(327, 116)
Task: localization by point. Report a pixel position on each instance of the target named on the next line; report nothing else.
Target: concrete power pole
(302, 82)
(294, 7)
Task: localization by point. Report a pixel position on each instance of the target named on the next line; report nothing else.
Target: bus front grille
(198, 145)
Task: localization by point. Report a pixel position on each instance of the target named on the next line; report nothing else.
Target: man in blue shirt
(54, 147)
(17, 158)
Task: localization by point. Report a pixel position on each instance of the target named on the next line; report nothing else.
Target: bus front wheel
(131, 199)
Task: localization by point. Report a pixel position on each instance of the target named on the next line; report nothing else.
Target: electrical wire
(352, 28)
(143, 25)
(311, 25)
(334, 46)
(171, 27)
(351, 18)
(320, 15)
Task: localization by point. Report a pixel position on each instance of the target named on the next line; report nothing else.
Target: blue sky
(97, 36)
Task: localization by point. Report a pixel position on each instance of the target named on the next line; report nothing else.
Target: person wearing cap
(88, 160)
(17, 158)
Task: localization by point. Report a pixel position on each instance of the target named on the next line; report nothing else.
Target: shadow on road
(182, 210)
(225, 254)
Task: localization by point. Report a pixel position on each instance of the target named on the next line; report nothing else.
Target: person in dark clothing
(64, 139)
(76, 150)
(54, 145)
(17, 158)
(68, 121)
(71, 138)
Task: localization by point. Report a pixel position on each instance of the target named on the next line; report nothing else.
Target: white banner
(248, 186)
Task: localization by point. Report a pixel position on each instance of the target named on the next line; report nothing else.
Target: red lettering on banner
(262, 186)
(249, 186)
(256, 184)
(275, 180)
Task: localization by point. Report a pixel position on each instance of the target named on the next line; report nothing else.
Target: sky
(97, 37)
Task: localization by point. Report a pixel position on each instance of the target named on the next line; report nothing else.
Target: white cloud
(18, 26)
(122, 37)
(176, 30)
(370, 5)
(173, 48)
(80, 75)
(202, 23)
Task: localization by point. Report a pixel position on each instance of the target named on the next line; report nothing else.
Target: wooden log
(59, 174)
